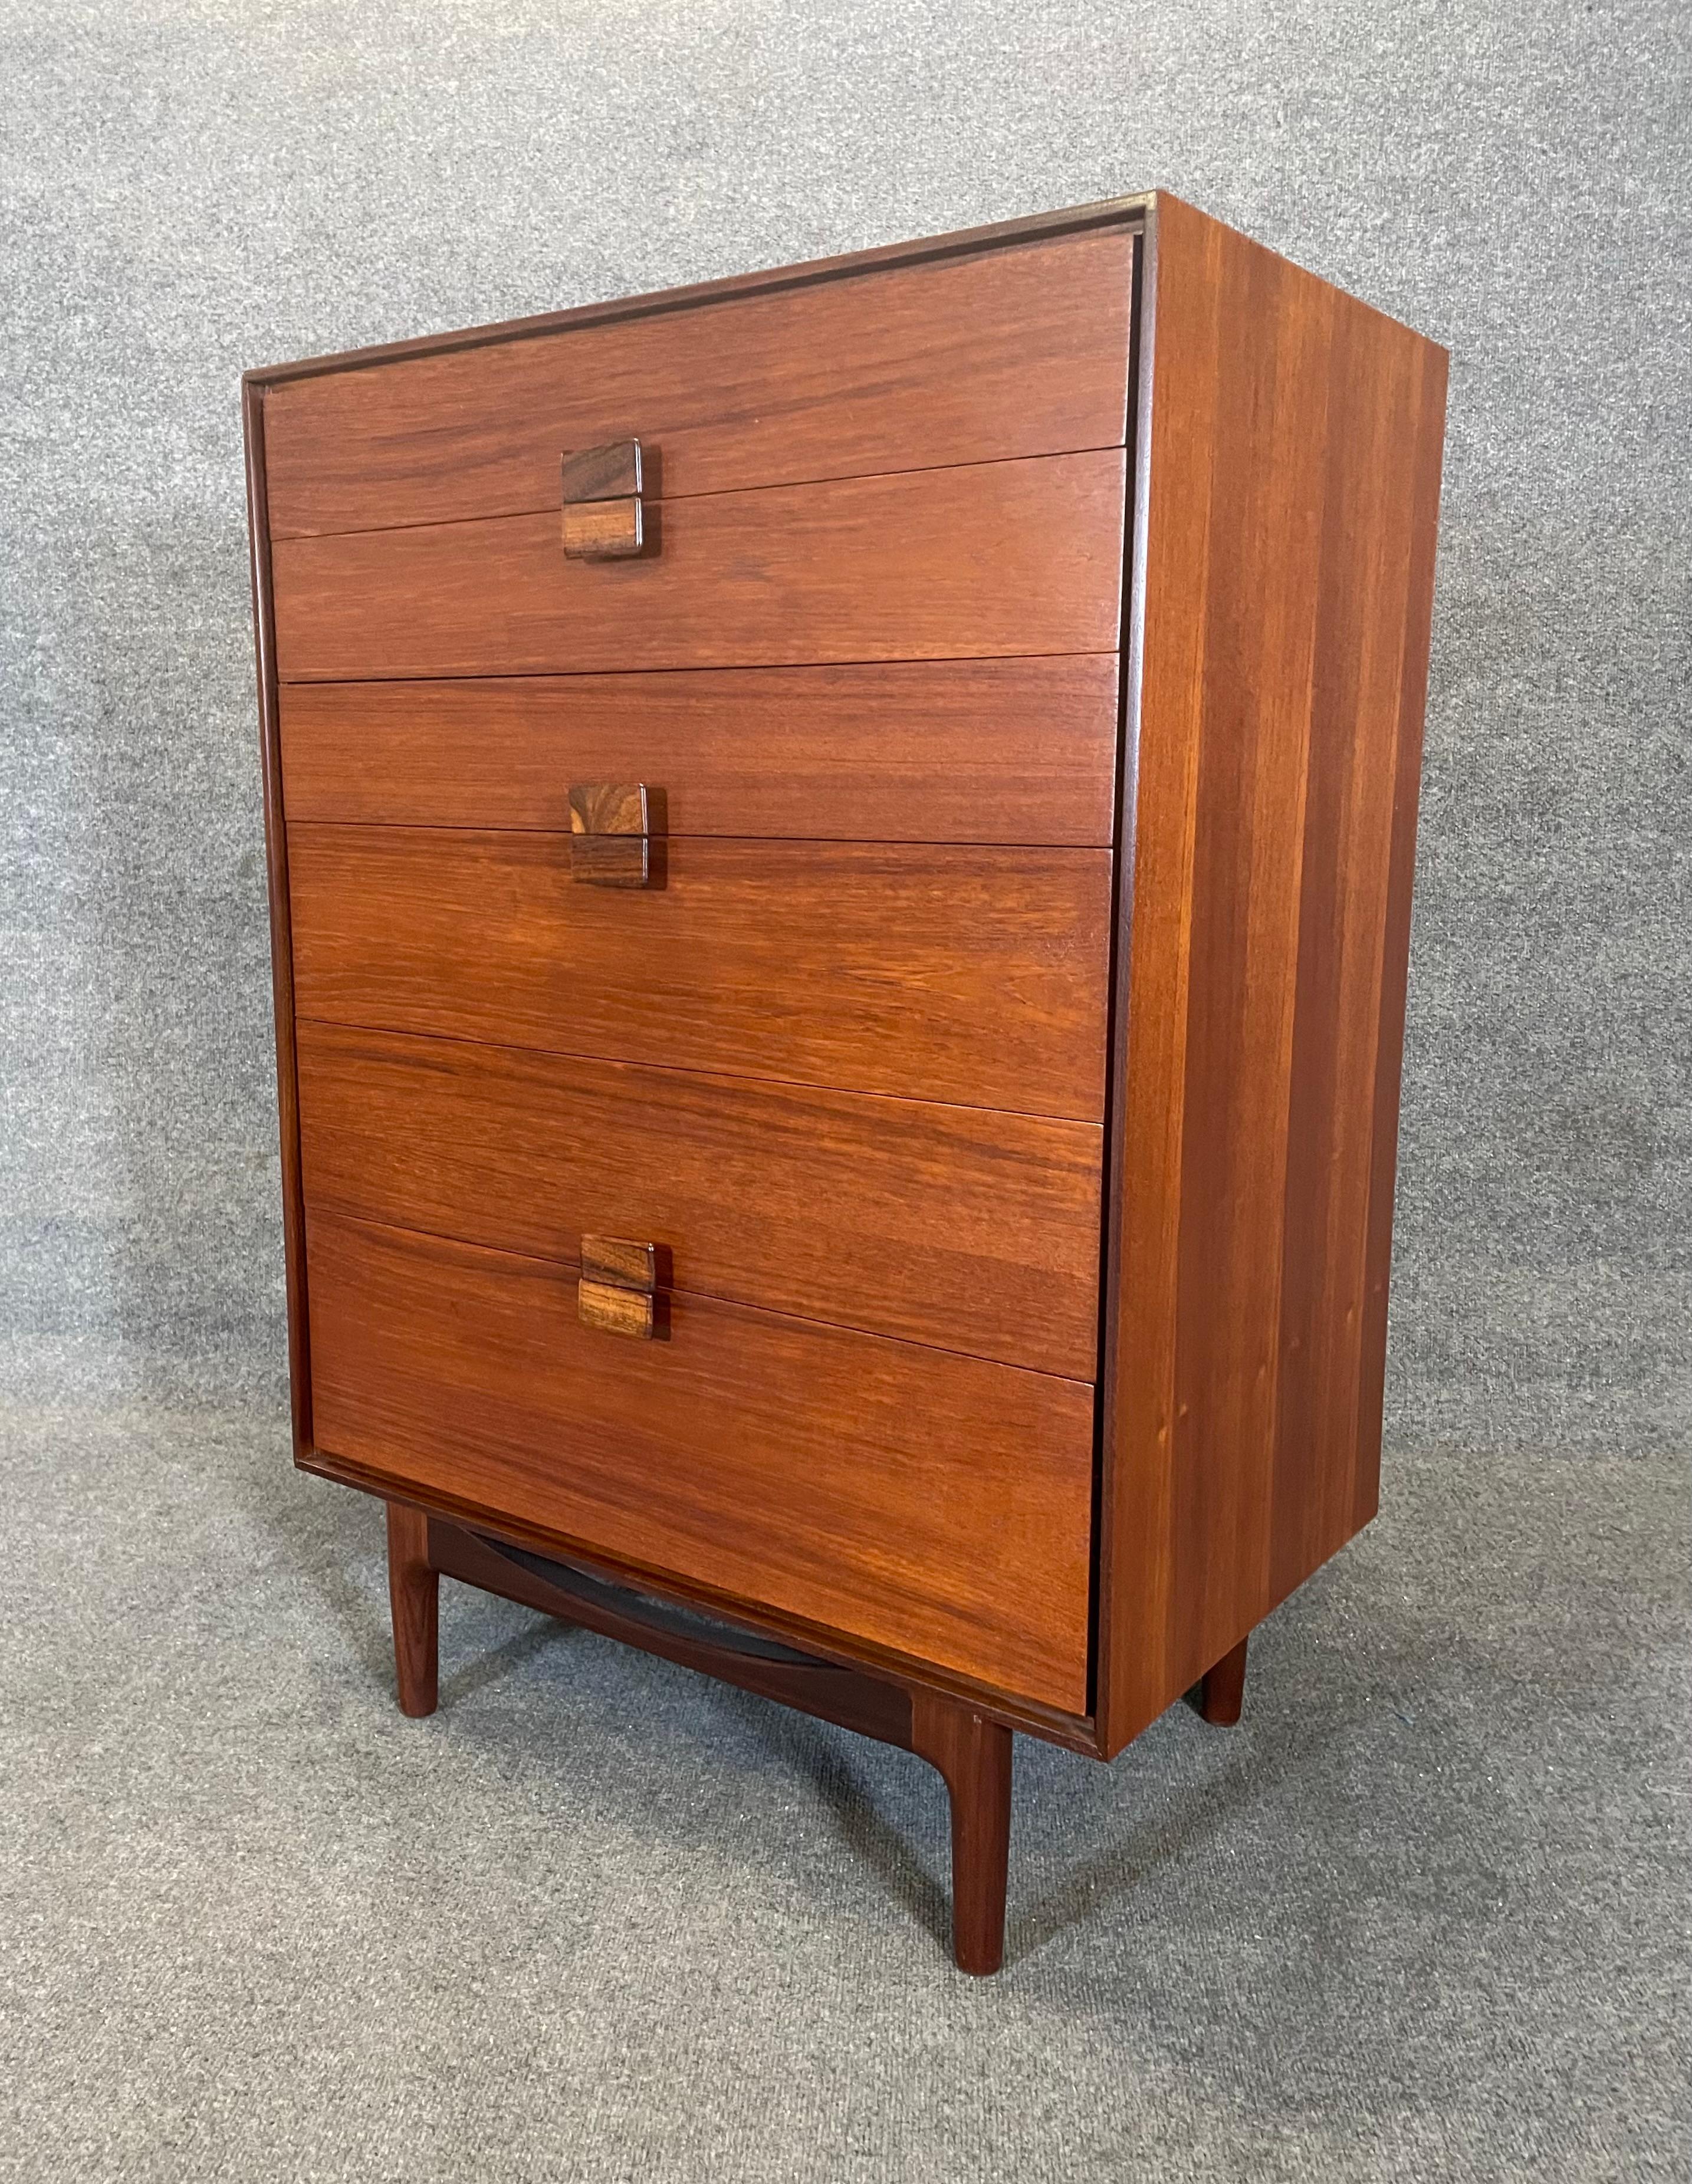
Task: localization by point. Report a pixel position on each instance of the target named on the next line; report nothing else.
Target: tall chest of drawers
(840, 854)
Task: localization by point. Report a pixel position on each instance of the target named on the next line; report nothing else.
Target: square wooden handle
(618, 1291)
(604, 518)
(610, 834)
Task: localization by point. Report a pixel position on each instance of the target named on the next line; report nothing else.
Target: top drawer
(1007, 353)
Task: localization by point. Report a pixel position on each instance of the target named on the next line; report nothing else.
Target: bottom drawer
(934, 1504)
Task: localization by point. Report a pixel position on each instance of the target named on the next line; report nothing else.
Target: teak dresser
(840, 854)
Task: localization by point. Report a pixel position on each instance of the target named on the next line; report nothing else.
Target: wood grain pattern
(1003, 750)
(1221, 1689)
(1020, 351)
(613, 471)
(610, 1309)
(1290, 438)
(998, 559)
(928, 1503)
(620, 1261)
(973, 1755)
(975, 976)
(955, 1226)
(602, 530)
(272, 766)
(413, 1598)
(613, 861)
(1075, 1732)
(926, 252)
(1287, 453)
(609, 807)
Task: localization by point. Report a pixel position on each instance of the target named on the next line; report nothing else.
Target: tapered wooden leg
(414, 1594)
(1221, 1689)
(974, 1755)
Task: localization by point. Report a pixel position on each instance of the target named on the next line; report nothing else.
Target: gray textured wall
(193, 188)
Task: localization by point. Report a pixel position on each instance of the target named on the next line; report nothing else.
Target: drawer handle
(617, 1292)
(610, 834)
(604, 517)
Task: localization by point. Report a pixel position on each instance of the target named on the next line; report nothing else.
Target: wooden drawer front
(1002, 750)
(1003, 558)
(1015, 352)
(972, 975)
(936, 1505)
(979, 1232)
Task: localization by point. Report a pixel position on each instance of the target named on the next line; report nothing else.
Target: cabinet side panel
(1289, 477)
(281, 932)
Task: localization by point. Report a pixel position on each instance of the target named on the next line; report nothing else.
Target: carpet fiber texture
(1423, 1916)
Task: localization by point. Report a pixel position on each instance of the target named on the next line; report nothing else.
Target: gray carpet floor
(1422, 1916)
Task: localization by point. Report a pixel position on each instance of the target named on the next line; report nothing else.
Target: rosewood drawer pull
(618, 1289)
(610, 834)
(604, 519)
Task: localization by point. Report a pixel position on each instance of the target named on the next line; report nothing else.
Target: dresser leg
(414, 1594)
(1221, 1689)
(974, 1755)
